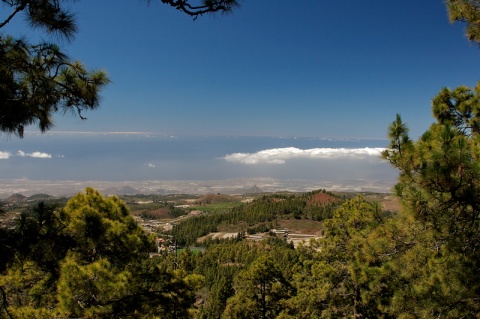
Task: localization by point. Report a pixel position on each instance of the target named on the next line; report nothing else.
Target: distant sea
(138, 157)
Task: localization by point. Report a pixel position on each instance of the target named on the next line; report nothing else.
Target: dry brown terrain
(302, 226)
(388, 202)
(160, 213)
(391, 203)
(322, 198)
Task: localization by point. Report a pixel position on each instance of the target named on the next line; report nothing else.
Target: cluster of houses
(166, 244)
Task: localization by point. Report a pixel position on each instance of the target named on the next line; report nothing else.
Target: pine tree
(440, 191)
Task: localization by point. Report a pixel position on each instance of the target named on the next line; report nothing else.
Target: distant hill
(40, 197)
(322, 198)
(16, 198)
(121, 190)
(252, 190)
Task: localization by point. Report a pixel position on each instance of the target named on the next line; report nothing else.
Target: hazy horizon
(102, 157)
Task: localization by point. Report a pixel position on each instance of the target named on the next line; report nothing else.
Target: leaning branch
(17, 10)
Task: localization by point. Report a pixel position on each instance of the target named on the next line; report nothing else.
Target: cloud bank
(282, 155)
(33, 154)
(5, 155)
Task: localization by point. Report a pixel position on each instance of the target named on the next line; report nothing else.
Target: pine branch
(10, 17)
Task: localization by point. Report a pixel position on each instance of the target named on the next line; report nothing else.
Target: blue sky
(309, 68)
(283, 68)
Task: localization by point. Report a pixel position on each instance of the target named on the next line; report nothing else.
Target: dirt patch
(219, 235)
(322, 199)
(160, 213)
(303, 240)
(302, 226)
(391, 203)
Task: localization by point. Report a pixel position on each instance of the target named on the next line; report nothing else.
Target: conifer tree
(259, 291)
(440, 190)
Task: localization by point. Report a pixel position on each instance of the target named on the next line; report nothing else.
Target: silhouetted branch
(10, 17)
(5, 302)
(208, 6)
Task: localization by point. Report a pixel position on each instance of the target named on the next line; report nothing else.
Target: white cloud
(281, 155)
(151, 165)
(40, 155)
(33, 154)
(5, 155)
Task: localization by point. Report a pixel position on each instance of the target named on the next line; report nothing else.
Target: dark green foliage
(259, 229)
(221, 264)
(42, 237)
(259, 291)
(89, 259)
(216, 301)
(176, 212)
